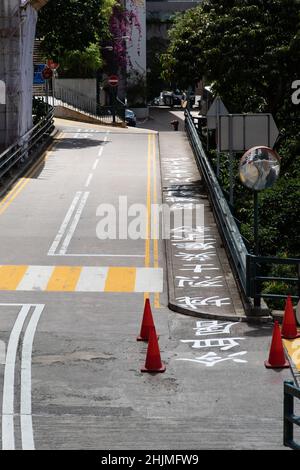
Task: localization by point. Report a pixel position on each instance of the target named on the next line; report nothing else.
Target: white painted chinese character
(207, 282)
(223, 343)
(210, 359)
(194, 302)
(195, 246)
(212, 327)
(199, 268)
(195, 257)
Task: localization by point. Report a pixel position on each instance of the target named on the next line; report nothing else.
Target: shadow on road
(160, 118)
(79, 143)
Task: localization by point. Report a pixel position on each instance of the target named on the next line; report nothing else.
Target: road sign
(47, 73)
(217, 109)
(52, 65)
(240, 132)
(113, 80)
(37, 76)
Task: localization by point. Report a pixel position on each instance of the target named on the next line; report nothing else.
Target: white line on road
(96, 164)
(89, 179)
(8, 437)
(100, 151)
(26, 407)
(107, 255)
(74, 224)
(64, 225)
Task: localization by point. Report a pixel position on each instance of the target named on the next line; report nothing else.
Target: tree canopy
(248, 49)
(71, 31)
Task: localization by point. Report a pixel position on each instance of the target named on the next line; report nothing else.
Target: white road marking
(74, 224)
(26, 406)
(100, 151)
(64, 225)
(8, 437)
(146, 277)
(89, 179)
(95, 164)
(92, 279)
(2, 352)
(101, 255)
(36, 278)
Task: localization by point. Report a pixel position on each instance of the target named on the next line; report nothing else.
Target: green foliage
(71, 32)
(248, 49)
(82, 64)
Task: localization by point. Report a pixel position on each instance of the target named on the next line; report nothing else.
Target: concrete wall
(83, 86)
(16, 69)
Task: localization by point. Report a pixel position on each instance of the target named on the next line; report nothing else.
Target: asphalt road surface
(71, 306)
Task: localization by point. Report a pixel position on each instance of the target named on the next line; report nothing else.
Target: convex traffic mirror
(259, 168)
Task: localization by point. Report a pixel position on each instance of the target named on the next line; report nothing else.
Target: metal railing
(225, 219)
(21, 151)
(81, 103)
(255, 280)
(246, 265)
(289, 418)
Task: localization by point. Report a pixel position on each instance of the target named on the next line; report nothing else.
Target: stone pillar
(17, 32)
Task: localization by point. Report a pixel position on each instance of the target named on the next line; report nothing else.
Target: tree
(71, 31)
(249, 49)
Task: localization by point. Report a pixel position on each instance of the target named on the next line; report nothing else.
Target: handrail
(246, 265)
(21, 149)
(80, 102)
(224, 216)
(289, 417)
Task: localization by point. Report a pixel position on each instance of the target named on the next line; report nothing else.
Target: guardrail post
(288, 412)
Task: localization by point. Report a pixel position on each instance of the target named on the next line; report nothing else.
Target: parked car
(130, 118)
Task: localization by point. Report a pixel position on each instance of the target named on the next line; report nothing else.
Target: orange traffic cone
(153, 361)
(147, 322)
(277, 358)
(289, 325)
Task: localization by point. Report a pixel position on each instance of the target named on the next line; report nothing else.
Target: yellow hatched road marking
(64, 278)
(120, 280)
(292, 347)
(10, 276)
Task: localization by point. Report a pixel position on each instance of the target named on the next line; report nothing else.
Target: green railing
(247, 267)
(289, 417)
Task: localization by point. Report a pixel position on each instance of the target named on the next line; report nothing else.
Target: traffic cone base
(153, 361)
(277, 359)
(139, 338)
(283, 366)
(290, 337)
(289, 325)
(162, 369)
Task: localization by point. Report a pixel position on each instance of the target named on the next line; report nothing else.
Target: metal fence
(247, 266)
(21, 151)
(289, 417)
(81, 103)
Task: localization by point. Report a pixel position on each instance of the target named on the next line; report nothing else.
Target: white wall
(137, 53)
(83, 86)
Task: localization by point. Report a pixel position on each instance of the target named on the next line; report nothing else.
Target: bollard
(175, 124)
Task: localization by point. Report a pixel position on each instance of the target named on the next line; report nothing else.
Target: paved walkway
(200, 279)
